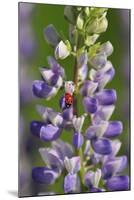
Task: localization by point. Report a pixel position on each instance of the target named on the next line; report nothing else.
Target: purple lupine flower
(53, 80)
(71, 183)
(43, 90)
(118, 183)
(92, 179)
(113, 166)
(44, 175)
(78, 138)
(71, 180)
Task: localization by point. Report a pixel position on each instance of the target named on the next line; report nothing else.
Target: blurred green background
(39, 16)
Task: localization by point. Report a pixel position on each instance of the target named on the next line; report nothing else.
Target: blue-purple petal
(63, 149)
(90, 104)
(43, 175)
(106, 97)
(78, 140)
(49, 132)
(71, 183)
(51, 35)
(88, 88)
(68, 114)
(35, 127)
(102, 146)
(118, 183)
(114, 166)
(43, 90)
(114, 128)
(99, 60)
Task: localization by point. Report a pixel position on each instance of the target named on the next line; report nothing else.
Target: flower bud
(51, 35)
(97, 26)
(62, 50)
(69, 14)
(80, 22)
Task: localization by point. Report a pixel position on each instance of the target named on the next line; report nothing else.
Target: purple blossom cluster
(91, 162)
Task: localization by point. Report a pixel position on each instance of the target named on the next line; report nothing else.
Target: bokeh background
(33, 52)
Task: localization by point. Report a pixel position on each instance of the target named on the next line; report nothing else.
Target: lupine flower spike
(90, 162)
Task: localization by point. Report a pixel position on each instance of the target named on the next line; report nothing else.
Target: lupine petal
(96, 158)
(55, 118)
(102, 146)
(46, 74)
(78, 122)
(102, 76)
(88, 88)
(114, 128)
(107, 47)
(114, 166)
(78, 140)
(62, 103)
(116, 145)
(117, 183)
(63, 149)
(103, 113)
(82, 60)
(90, 104)
(89, 179)
(51, 35)
(92, 179)
(49, 132)
(35, 127)
(42, 90)
(43, 175)
(55, 66)
(43, 111)
(82, 73)
(73, 164)
(51, 158)
(87, 148)
(71, 183)
(68, 114)
(106, 97)
(61, 50)
(96, 130)
(98, 61)
(56, 81)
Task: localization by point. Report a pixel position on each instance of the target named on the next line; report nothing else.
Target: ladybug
(69, 89)
(68, 100)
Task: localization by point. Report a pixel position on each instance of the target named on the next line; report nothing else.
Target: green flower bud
(86, 10)
(69, 14)
(80, 22)
(97, 25)
(90, 40)
(102, 25)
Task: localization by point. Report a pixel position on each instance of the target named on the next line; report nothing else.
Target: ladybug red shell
(68, 99)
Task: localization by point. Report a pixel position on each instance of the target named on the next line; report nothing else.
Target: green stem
(79, 151)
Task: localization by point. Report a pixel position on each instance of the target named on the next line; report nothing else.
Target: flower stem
(79, 151)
